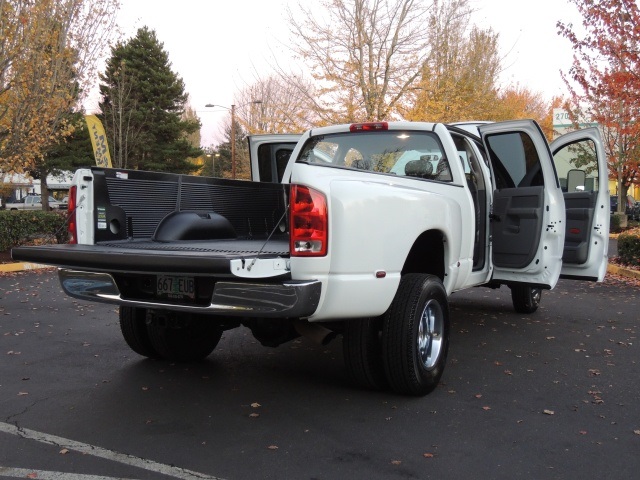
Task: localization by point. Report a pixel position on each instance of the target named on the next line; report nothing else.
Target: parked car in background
(635, 211)
(631, 208)
(32, 202)
(64, 203)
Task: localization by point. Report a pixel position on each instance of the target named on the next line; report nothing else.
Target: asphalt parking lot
(552, 395)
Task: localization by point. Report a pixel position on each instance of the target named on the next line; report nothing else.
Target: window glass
(402, 153)
(282, 159)
(577, 167)
(270, 172)
(515, 160)
(264, 163)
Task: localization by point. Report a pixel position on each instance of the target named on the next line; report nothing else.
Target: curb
(21, 267)
(623, 272)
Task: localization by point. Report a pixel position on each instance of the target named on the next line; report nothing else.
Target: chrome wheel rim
(430, 332)
(536, 293)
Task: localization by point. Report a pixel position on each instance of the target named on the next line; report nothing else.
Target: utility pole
(233, 141)
(233, 131)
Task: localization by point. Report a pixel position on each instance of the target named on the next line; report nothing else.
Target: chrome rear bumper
(290, 298)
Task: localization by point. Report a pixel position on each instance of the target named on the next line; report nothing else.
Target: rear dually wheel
(415, 335)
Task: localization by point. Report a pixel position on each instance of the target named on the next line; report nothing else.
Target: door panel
(516, 224)
(580, 208)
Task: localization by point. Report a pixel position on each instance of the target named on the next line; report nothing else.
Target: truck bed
(151, 222)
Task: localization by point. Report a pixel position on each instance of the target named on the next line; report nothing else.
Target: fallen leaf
(64, 451)
(254, 415)
(583, 432)
(21, 394)
(428, 455)
(272, 447)
(637, 432)
(32, 475)
(478, 395)
(256, 405)
(548, 412)
(486, 408)
(396, 462)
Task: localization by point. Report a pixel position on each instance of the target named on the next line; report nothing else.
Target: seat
(362, 164)
(421, 168)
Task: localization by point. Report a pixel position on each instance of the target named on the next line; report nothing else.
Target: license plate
(170, 286)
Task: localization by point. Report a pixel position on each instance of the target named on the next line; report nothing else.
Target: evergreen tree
(74, 152)
(68, 154)
(143, 102)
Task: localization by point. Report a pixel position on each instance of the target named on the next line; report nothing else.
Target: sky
(217, 47)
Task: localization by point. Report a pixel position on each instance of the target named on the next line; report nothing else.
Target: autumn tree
(143, 103)
(364, 55)
(518, 102)
(604, 81)
(48, 53)
(271, 105)
(458, 80)
(119, 115)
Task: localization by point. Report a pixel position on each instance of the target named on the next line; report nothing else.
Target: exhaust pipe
(314, 332)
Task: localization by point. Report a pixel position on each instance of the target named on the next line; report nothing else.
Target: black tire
(134, 330)
(415, 335)
(525, 298)
(183, 337)
(362, 350)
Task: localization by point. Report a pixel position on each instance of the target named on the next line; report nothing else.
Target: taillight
(369, 127)
(73, 227)
(308, 222)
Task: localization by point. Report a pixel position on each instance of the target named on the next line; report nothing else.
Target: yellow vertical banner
(99, 141)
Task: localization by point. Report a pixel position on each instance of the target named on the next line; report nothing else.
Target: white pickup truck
(32, 202)
(360, 230)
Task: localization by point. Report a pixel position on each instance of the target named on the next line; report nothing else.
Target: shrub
(629, 247)
(18, 228)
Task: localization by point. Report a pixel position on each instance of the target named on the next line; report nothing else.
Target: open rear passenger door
(581, 164)
(527, 220)
(269, 155)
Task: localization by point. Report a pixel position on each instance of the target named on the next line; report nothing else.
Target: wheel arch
(427, 255)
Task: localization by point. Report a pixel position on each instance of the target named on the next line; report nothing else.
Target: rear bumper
(289, 298)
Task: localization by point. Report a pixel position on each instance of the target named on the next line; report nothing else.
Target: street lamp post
(213, 162)
(233, 131)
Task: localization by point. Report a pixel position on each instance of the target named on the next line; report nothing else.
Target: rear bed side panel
(374, 221)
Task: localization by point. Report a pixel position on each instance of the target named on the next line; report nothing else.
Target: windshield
(402, 153)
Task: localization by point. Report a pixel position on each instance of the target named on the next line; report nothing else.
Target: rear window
(394, 152)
